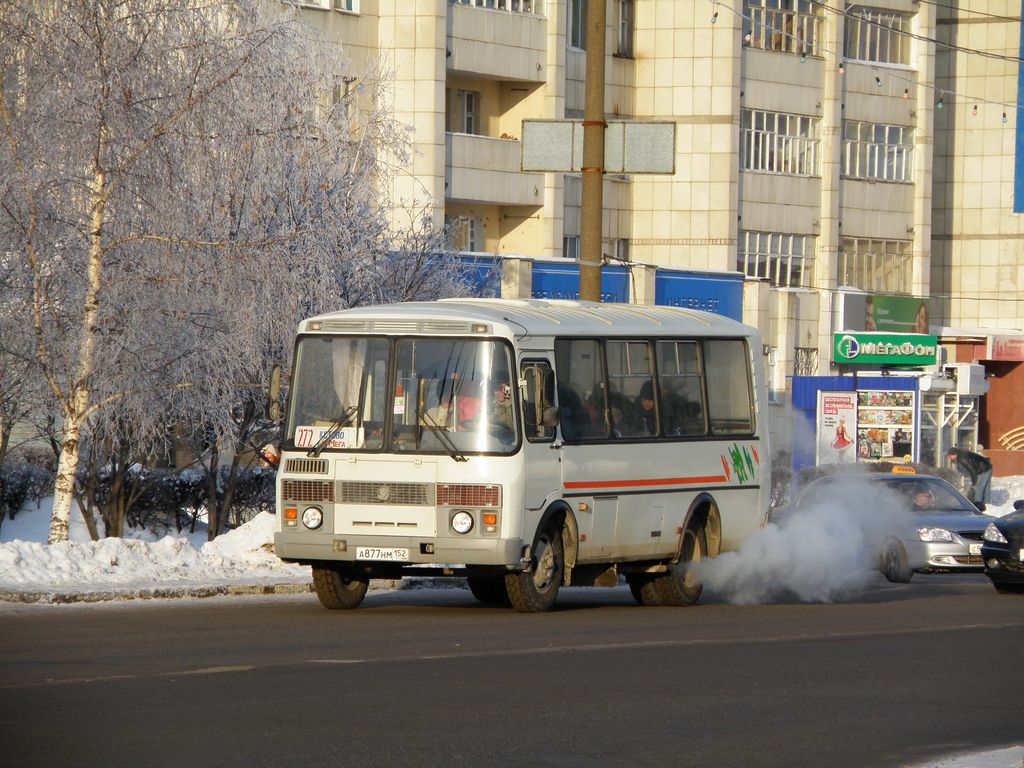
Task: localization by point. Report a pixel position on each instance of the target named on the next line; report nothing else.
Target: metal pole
(591, 205)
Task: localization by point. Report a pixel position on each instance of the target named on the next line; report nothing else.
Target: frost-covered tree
(179, 184)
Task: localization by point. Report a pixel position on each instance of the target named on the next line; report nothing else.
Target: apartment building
(829, 152)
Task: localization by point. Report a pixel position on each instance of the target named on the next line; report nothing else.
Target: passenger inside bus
(439, 415)
(647, 415)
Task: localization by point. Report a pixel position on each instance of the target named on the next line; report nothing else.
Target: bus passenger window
(682, 392)
(730, 408)
(582, 406)
(630, 373)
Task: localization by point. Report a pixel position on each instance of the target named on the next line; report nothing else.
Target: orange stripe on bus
(638, 483)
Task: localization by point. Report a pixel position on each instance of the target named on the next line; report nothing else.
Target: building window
(778, 142)
(791, 26)
(571, 247)
(514, 6)
(620, 249)
(576, 24)
(623, 20)
(875, 266)
(463, 112)
(466, 232)
(786, 260)
(876, 151)
(877, 35)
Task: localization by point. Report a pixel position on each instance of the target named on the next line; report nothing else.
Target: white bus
(524, 445)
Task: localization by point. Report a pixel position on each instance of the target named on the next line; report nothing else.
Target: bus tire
(535, 590)
(679, 586)
(643, 588)
(489, 590)
(336, 589)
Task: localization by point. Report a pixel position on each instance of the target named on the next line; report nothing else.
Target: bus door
(543, 472)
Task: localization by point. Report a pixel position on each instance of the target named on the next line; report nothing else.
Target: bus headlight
(312, 517)
(462, 522)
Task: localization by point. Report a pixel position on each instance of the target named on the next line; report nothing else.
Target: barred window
(876, 151)
(784, 259)
(877, 35)
(791, 26)
(515, 6)
(875, 266)
(805, 361)
(778, 142)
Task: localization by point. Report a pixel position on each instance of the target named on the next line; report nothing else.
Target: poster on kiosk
(866, 425)
(837, 427)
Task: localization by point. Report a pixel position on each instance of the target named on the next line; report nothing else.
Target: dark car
(918, 523)
(1003, 551)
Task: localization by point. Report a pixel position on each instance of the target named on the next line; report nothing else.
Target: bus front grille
(408, 494)
(306, 466)
(307, 490)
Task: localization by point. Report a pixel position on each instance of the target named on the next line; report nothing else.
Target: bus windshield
(405, 395)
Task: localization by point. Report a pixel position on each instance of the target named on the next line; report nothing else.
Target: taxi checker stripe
(637, 483)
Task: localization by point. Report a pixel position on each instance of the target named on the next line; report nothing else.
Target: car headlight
(312, 517)
(994, 534)
(934, 534)
(462, 522)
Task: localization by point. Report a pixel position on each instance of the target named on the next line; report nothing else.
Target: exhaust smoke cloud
(823, 551)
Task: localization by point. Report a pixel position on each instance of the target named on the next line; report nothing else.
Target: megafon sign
(899, 349)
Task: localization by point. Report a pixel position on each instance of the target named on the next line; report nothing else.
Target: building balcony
(497, 44)
(484, 169)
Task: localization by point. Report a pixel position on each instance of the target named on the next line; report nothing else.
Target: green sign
(896, 314)
(908, 349)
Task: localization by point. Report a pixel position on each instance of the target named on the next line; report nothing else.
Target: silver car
(918, 523)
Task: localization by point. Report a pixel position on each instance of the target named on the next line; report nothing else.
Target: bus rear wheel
(644, 589)
(535, 590)
(337, 589)
(680, 586)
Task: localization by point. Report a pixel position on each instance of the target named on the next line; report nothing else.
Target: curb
(156, 593)
(222, 590)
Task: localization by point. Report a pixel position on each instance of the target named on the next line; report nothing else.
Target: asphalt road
(894, 677)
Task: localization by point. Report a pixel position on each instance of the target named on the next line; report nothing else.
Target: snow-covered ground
(143, 564)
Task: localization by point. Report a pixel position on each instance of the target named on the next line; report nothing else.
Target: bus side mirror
(549, 417)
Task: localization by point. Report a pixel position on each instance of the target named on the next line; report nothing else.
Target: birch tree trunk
(77, 406)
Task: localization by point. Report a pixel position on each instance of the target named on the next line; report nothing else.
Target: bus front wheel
(535, 590)
(680, 585)
(336, 589)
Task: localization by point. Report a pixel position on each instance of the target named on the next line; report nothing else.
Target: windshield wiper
(336, 426)
(442, 437)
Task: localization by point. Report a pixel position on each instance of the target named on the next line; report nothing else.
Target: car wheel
(336, 589)
(680, 585)
(1008, 588)
(489, 590)
(894, 565)
(535, 590)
